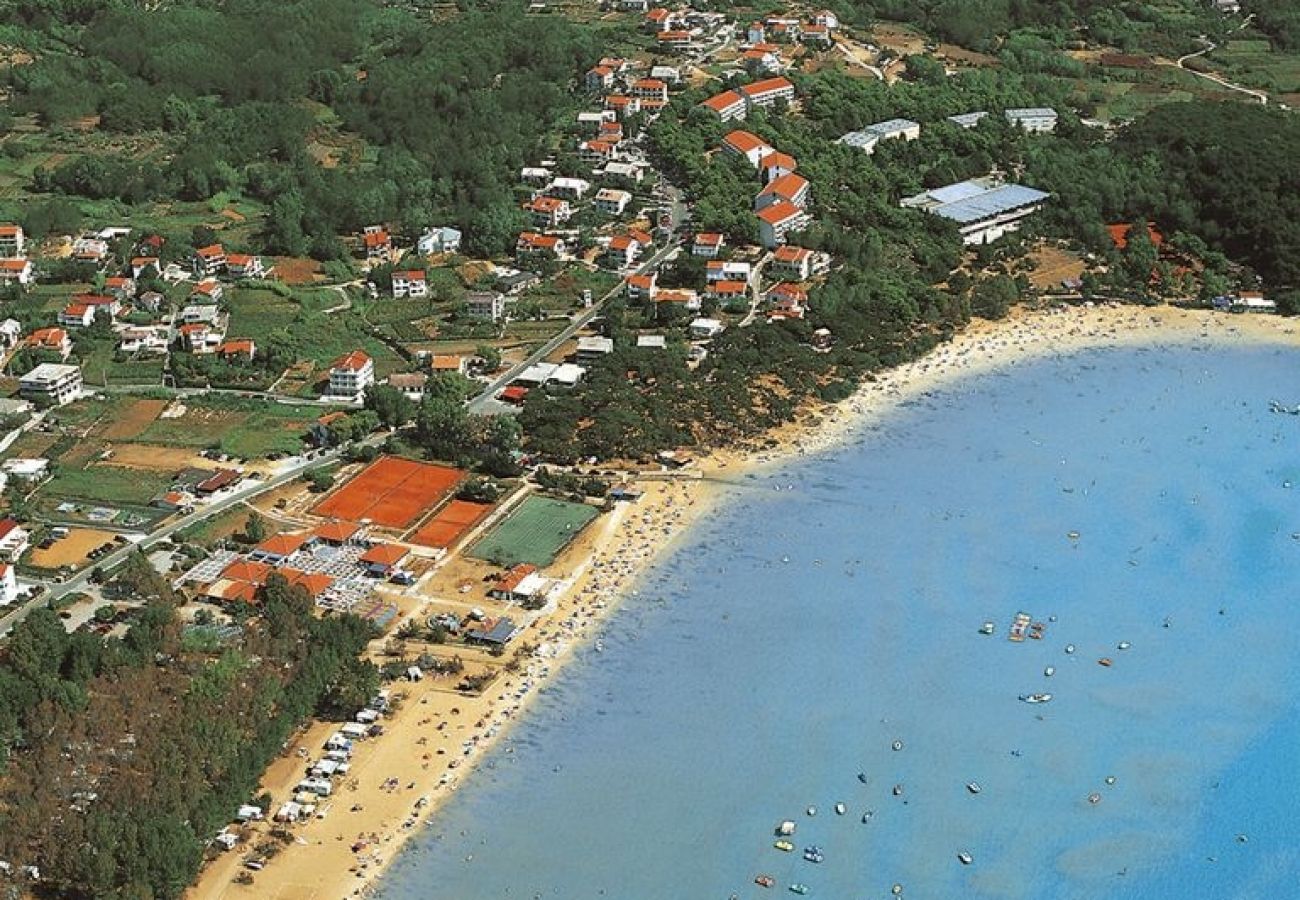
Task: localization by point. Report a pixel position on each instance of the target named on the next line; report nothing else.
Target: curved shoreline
(631, 540)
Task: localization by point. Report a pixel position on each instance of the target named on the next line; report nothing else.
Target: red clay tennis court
(391, 492)
(452, 521)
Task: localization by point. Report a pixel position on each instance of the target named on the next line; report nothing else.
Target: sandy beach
(438, 735)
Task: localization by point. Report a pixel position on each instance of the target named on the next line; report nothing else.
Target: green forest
(125, 755)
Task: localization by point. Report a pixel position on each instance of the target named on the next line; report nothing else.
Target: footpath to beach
(435, 739)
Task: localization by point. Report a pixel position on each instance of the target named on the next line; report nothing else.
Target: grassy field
(534, 533)
(1256, 64)
(110, 485)
(242, 428)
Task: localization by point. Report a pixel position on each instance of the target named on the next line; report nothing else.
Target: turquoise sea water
(798, 633)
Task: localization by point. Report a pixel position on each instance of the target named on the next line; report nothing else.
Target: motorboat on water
(1104, 661)
(898, 745)
(986, 628)
(814, 854)
(798, 888)
(786, 828)
(973, 787)
(1035, 698)
(1019, 627)
(812, 810)
(965, 858)
(840, 809)
(1069, 648)
(862, 776)
(1050, 671)
(1124, 645)
(764, 880)
(866, 816)
(898, 790)
(784, 846)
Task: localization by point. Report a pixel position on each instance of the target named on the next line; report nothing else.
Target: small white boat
(898, 790)
(1094, 798)
(1069, 648)
(1035, 698)
(866, 816)
(986, 628)
(1050, 671)
(1124, 645)
(965, 858)
(812, 810)
(786, 828)
(973, 787)
(1110, 779)
(840, 809)
(898, 745)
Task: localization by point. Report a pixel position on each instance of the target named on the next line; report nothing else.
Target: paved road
(79, 581)
(1209, 47)
(485, 403)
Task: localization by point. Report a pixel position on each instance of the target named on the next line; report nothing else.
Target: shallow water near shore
(832, 607)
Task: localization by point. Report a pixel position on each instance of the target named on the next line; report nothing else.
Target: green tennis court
(534, 533)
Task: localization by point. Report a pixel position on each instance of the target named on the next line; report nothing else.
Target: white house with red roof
(778, 220)
(707, 244)
(760, 61)
(623, 250)
(351, 374)
(599, 78)
(410, 283)
(240, 349)
(548, 212)
(209, 260)
(623, 105)
(675, 38)
(245, 265)
(209, 290)
(798, 263)
(768, 92)
(660, 19)
(727, 106)
(77, 315)
(17, 271)
(641, 287)
(376, 241)
(747, 145)
(774, 165)
(146, 266)
(596, 152)
(54, 340)
(816, 35)
(14, 540)
(727, 270)
(12, 240)
(8, 585)
(650, 90)
(120, 286)
(531, 243)
(612, 201)
(793, 189)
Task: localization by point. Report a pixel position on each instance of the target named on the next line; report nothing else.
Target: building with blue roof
(984, 208)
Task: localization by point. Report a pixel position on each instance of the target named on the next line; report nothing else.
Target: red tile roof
(210, 252)
(353, 362)
(335, 532)
(283, 544)
(779, 212)
(766, 86)
(387, 555)
(510, 579)
(247, 570)
(788, 185)
(744, 141)
(790, 254)
(721, 102)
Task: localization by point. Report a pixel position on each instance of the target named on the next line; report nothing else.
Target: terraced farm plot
(534, 533)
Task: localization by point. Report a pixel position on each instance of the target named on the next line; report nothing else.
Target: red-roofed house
(778, 220)
(241, 349)
(54, 339)
(146, 267)
(623, 250)
(209, 290)
(599, 78)
(335, 534)
(768, 92)
(792, 189)
(659, 19)
(314, 583)
(650, 90)
(596, 152)
(382, 559)
(640, 287)
(548, 212)
(12, 240)
(244, 265)
(518, 584)
(77, 315)
(411, 283)
(376, 241)
(707, 244)
(19, 270)
(727, 290)
(774, 165)
(798, 263)
(351, 374)
(623, 105)
(816, 35)
(747, 145)
(119, 286)
(674, 38)
(247, 570)
(200, 337)
(727, 106)
(531, 243)
(14, 540)
(209, 260)
(278, 547)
